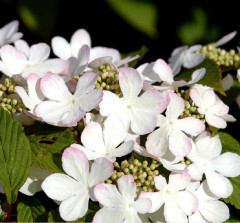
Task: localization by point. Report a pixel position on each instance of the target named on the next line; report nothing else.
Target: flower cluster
(145, 143)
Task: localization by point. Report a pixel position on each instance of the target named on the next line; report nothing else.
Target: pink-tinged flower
(33, 96)
(215, 111)
(120, 205)
(64, 108)
(225, 39)
(105, 142)
(138, 112)
(178, 202)
(9, 34)
(173, 132)
(186, 57)
(207, 159)
(210, 209)
(75, 188)
(156, 72)
(24, 60)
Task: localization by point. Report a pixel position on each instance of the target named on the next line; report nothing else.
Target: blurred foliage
(142, 15)
(195, 30)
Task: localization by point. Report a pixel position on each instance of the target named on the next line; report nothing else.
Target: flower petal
(90, 154)
(97, 52)
(101, 170)
(175, 107)
(187, 201)
(108, 195)
(124, 149)
(38, 53)
(218, 184)
(143, 205)
(86, 83)
(74, 207)
(179, 180)
(227, 164)
(61, 48)
(60, 186)
(127, 187)
(114, 215)
(156, 198)
(130, 83)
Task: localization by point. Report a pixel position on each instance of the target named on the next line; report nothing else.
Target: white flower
(74, 189)
(178, 202)
(34, 181)
(140, 112)
(119, 205)
(34, 95)
(24, 60)
(207, 159)
(64, 108)
(171, 133)
(9, 34)
(215, 111)
(98, 142)
(210, 209)
(186, 57)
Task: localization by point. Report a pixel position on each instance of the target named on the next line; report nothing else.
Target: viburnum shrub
(91, 136)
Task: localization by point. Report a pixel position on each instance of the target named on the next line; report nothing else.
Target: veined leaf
(47, 146)
(212, 78)
(31, 210)
(15, 155)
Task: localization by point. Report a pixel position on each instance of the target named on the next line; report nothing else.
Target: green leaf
(133, 11)
(15, 155)
(212, 78)
(47, 145)
(141, 52)
(229, 143)
(31, 210)
(234, 198)
(35, 16)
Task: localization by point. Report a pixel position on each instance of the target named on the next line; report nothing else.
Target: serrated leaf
(132, 11)
(229, 143)
(15, 155)
(47, 146)
(212, 78)
(31, 210)
(141, 52)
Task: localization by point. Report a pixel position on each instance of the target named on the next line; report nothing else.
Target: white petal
(225, 39)
(175, 107)
(38, 53)
(113, 215)
(157, 200)
(157, 142)
(218, 184)
(124, 149)
(13, 60)
(192, 59)
(86, 83)
(160, 182)
(55, 66)
(54, 88)
(130, 83)
(101, 170)
(74, 207)
(127, 187)
(97, 52)
(191, 126)
(75, 164)
(78, 39)
(227, 164)
(214, 211)
(163, 70)
(209, 147)
(108, 195)
(114, 132)
(179, 144)
(91, 155)
(195, 172)
(143, 205)
(147, 73)
(227, 82)
(187, 201)
(215, 121)
(92, 137)
(60, 186)
(22, 45)
(179, 180)
(61, 48)
(178, 216)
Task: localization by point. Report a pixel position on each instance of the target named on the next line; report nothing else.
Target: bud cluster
(222, 57)
(190, 109)
(108, 79)
(142, 171)
(8, 103)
